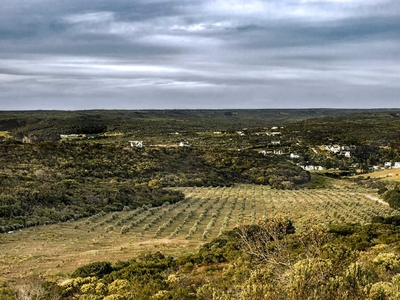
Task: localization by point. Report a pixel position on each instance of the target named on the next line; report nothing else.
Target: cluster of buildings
(340, 150)
(345, 151)
(311, 167)
(387, 165)
(139, 144)
(72, 136)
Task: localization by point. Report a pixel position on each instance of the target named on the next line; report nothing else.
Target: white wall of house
(138, 144)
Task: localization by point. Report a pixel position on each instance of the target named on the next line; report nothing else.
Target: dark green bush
(96, 269)
(393, 220)
(393, 197)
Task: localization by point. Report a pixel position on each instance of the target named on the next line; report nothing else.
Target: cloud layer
(199, 54)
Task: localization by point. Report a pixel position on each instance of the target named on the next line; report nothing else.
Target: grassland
(389, 174)
(55, 250)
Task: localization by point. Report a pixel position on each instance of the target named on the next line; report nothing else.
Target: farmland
(177, 228)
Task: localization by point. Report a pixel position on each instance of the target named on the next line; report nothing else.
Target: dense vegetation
(375, 135)
(48, 125)
(58, 181)
(45, 178)
(383, 128)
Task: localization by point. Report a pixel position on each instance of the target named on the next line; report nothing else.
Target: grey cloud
(220, 53)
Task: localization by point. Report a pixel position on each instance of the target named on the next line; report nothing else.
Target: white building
(347, 153)
(137, 144)
(184, 144)
(312, 168)
(388, 164)
(308, 168)
(334, 149)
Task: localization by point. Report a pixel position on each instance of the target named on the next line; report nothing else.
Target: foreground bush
(268, 260)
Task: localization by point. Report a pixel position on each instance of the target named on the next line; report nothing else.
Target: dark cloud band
(205, 54)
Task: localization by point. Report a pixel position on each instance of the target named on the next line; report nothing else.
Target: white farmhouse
(347, 153)
(396, 165)
(308, 168)
(312, 168)
(184, 144)
(388, 164)
(137, 144)
(334, 149)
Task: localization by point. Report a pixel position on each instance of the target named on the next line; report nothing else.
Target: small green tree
(393, 197)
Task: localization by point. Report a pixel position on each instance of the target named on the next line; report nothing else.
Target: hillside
(92, 203)
(48, 125)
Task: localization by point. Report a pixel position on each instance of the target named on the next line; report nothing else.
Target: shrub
(380, 290)
(119, 286)
(393, 197)
(394, 220)
(388, 261)
(125, 229)
(109, 228)
(96, 269)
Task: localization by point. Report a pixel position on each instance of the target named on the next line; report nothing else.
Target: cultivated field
(177, 228)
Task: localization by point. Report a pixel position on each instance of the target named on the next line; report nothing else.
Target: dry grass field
(389, 174)
(55, 250)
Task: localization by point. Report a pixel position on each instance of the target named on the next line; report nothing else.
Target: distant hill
(48, 125)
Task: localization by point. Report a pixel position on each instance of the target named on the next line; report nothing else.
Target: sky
(190, 54)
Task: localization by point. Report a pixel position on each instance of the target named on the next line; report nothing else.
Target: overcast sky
(139, 54)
